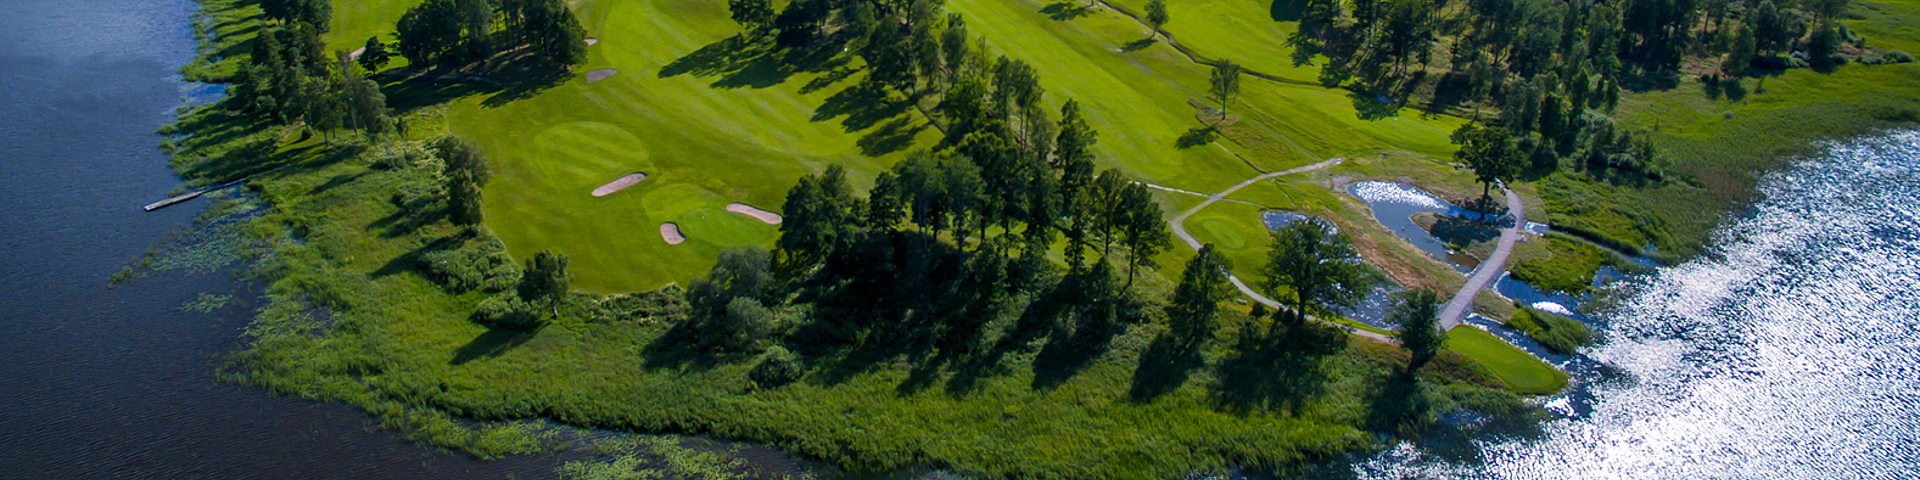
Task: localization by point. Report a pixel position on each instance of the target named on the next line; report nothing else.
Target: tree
(466, 172)
(884, 203)
(1073, 156)
(1225, 84)
(1316, 265)
(547, 279)
(1740, 57)
(757, 15)
(1417, 313)
(817, 218)
(549, 29)
(318, 13)
(1196, 301)
(1489, 152)
(1104, 197)
(1156, 16)
(374, 57)
(446, 33)
(1142, 226)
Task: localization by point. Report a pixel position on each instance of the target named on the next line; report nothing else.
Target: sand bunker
(592, 40)
(671, 233)
(763, 216)
(601, 74)
(356, 53)
(619, 184)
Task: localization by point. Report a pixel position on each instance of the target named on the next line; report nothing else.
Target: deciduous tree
(1417, 313)
(1316, 265)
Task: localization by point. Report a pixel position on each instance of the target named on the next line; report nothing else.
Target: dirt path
(1492, 268)
(1180, 230)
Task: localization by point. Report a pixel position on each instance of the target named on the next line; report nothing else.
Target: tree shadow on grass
(493, 343)
(892, 137)
(1372, 106)
(1138, 45)
(741, 61)
(1164, 367)
(863, 104)
(1282, 369)
(1195, 137)
(1398, 404)
(1064, 11)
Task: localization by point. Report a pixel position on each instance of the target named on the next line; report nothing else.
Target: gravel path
(1492, 268)
(1180, 230)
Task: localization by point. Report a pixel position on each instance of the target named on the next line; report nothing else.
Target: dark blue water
(102, 382)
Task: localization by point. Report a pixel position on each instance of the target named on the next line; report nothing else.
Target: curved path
(1180, 230)
(1492, 268)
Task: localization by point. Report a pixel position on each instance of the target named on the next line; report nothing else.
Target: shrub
(745, 324)
(664, 305)
(777, 367)
(479, 264)
(418, 196)
(1898, 56)
(507, 311)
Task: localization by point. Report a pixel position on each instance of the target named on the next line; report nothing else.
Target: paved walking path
(1492, 268)
(1180, 230)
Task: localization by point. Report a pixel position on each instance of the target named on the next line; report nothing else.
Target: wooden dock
(176, 199)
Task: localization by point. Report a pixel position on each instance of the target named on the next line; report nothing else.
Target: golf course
(858, 231)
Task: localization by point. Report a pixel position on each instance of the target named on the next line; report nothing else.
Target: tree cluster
(455, 33)
(1554, 67)
(289, 79)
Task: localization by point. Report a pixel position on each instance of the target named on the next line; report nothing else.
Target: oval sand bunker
(763, 216)
(671, 233)
(619, 184)
(601, 74)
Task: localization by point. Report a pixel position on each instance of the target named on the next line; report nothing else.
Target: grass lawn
(1521, 371)
(1253, 34)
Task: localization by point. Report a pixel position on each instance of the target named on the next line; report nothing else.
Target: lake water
(118, 383)
(1791, 351)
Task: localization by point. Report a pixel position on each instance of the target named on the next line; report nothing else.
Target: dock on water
(176, 199)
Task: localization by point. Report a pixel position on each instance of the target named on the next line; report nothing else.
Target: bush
(745, 324)
(479, 264)
(507, 311)
(1897, 56)
(418, 196)
(664, 305)
(777, 367)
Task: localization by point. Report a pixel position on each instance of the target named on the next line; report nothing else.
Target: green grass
(1569, 266)
(1519, 370)
(405, 350)
(1561, 334)
(1247, 32)
(1720, 146)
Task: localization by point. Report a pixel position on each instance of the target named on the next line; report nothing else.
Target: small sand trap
(356, 53)
(601, 74)
(592, 40)
(763, 216)
(671, 233)
(619, 184)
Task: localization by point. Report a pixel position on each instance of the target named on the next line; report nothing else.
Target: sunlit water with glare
(1791, 351)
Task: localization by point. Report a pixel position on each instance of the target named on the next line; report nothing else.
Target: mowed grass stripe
(1139, 117)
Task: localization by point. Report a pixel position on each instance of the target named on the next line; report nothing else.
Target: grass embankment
(1561, 334)
(390, 341)
(1519, 370)
(1568, 267)
(1719, 142)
